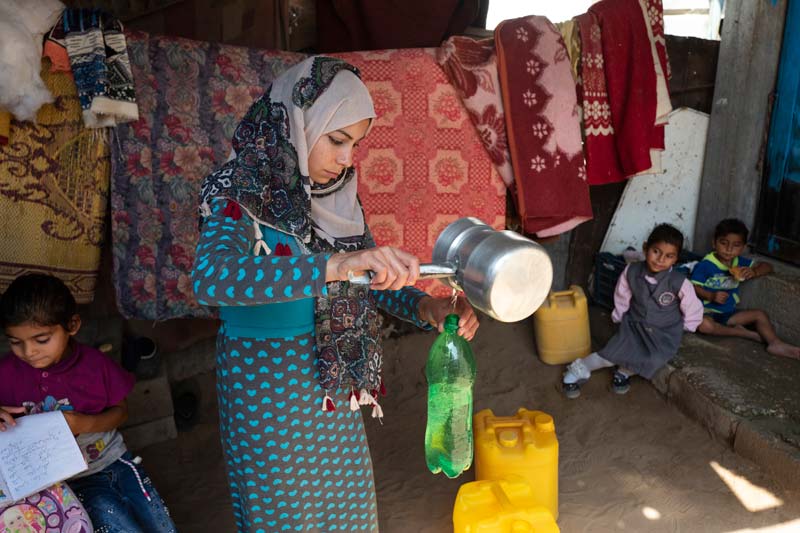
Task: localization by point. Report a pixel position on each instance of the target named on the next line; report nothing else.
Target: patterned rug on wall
(191, 96)
(421, 167)
(54, 193)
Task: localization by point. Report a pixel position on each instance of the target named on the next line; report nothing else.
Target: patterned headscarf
(268, 177)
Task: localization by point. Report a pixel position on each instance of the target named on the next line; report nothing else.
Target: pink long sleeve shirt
(691, 306)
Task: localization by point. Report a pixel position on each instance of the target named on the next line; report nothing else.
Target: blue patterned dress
(291, 466)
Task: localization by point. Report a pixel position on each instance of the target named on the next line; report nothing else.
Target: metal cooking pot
(502, 273)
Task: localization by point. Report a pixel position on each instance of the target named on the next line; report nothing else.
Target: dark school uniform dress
(651, 330)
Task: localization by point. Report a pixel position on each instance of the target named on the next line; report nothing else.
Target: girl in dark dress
(653, 304)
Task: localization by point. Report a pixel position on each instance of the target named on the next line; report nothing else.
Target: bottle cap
(451, 323)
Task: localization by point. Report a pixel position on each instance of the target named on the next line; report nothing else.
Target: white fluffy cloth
(22, 27)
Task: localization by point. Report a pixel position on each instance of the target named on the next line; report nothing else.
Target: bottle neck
(451, 323)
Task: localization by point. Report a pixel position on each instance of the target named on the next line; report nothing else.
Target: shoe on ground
(571, 390)
(620, 383)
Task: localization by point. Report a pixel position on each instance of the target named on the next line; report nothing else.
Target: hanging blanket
(602, 164)
(53, 193)
(543, 126)
(422, 165)
(653, 13)
(471, 66)
(630, 75)
(191, 96)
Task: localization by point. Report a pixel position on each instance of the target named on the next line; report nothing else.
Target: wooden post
(746, 72)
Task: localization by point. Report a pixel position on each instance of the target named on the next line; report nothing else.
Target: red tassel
(232, 210)
(383, 389)
(329, 405)
(283, 249)
(374, 393)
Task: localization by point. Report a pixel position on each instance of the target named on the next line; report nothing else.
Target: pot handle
(426, 271)
(436, 270)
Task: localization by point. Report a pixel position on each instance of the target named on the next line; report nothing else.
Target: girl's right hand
(392, 267)
(6, 418)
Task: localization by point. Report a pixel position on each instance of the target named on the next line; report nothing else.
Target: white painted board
(670, 197)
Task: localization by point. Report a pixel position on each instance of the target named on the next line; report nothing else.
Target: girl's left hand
(75, 421)
(434, 311)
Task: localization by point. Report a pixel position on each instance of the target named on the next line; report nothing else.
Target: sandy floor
(627, 463)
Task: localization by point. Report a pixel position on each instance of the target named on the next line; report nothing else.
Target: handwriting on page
(30, 458)
(37, 452)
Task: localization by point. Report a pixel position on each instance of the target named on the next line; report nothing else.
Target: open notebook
(36, 453)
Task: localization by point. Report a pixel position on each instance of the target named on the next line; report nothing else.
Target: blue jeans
(116, 502)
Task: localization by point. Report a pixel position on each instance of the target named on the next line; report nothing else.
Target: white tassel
(377, 412)
(325, 400)
(366, 398)
(260, 244)
(205, 210)
(353, 402)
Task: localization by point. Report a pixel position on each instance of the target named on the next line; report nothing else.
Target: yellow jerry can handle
(568, 292)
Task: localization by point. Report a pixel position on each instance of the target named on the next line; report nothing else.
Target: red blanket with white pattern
(542, 125)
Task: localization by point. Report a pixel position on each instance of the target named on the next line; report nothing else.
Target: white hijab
(317, 96)
(335, 209)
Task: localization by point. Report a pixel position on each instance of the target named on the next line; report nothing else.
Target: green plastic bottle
(451, 373)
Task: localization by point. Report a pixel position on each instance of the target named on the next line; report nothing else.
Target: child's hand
(76, 422)
(746, 273)
(6, 416)
(720, 297)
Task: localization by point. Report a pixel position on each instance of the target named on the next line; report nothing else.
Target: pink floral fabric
(423, 165)
(471, 66)
(543, 126)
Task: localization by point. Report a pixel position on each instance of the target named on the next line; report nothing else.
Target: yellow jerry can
(561, 326)
(524, 444)
(500, 506)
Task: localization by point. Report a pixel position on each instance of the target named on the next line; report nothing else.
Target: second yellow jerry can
(561, 326)
(500, 506)
(524, 444)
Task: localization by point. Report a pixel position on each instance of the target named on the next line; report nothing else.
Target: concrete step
(150, 412)
(779, 295)
(741, 394)
(150, 399)
(152, 432)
